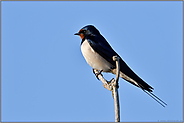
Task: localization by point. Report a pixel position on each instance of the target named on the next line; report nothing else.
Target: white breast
(94, 59)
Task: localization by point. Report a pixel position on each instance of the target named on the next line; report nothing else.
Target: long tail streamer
(161, 102)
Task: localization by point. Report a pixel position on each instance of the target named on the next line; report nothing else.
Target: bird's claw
(111, 83)
(96, 74)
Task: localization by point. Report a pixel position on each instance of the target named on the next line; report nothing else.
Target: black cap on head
(91, 28)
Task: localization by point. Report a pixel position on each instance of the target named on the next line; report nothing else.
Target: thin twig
(115, 89)
(104, 81)
(112, 85)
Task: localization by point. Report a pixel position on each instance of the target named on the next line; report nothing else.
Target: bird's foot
(96, 74)
(111, 83)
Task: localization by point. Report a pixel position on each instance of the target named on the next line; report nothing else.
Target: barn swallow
(98, 54)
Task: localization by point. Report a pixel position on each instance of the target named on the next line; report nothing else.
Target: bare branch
(115, 90)
(106, 83)
(112, 85)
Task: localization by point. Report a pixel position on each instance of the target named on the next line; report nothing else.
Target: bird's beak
(77, 33)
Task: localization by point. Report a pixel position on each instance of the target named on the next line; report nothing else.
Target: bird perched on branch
(98, 54)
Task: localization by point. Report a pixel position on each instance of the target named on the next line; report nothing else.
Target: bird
(98, 54)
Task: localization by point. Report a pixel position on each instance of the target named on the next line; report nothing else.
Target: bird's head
(87, 30)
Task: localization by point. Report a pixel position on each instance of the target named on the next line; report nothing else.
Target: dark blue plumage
(94, 47)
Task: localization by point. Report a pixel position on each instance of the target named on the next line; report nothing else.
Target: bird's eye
(82, 31)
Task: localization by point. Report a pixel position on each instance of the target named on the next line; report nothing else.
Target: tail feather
(161, 102)
(146, 88)
(158, 98)
(141, 84)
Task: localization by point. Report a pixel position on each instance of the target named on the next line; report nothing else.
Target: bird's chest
(93, 58)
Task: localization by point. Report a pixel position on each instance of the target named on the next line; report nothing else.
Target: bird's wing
(101, 46)
(106, 51)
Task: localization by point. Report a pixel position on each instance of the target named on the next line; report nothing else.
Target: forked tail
(149, 92)
(161, 102)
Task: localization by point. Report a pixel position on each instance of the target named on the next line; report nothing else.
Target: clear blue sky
(44, 76)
